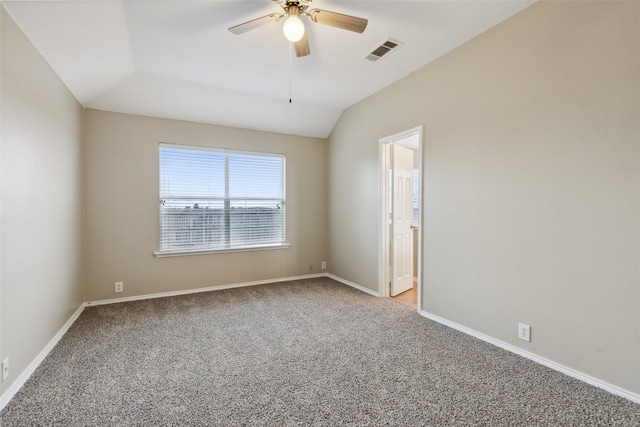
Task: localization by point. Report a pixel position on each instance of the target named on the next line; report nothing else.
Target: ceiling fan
(293, 26)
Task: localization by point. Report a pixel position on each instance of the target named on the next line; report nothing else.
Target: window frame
(227, 199)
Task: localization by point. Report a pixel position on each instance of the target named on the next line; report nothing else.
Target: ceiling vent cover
(384, 49)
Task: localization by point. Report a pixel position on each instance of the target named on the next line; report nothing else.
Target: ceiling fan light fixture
(293, 27)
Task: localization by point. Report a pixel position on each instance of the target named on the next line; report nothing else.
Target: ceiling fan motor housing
(290, 5)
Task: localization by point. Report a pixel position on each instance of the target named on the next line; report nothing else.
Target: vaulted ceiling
(176, 59)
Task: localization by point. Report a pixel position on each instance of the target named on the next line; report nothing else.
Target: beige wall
(121, 207)
(41, 206)
(531, 184)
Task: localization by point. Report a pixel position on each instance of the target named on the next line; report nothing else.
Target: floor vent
(385, 48)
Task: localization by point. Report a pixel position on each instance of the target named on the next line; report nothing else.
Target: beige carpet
(303, 353)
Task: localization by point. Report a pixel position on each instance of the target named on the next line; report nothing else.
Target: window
(220, 200)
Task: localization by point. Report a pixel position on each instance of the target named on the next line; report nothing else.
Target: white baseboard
(24, 376)
(353, 285)
(634, 397)
(198, 290)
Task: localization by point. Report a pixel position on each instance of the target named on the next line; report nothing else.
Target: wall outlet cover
(5, 369)
(524, 332)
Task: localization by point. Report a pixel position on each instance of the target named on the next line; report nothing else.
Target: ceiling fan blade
(338, 20)
(302, 46)
(255, 23)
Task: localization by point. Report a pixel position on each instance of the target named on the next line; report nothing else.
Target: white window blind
(212, 199)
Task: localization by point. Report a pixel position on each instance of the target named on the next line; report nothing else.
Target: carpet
(303, 353)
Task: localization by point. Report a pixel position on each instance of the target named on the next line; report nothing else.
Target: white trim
(166, 254)
(383, 235)
(219, 150)
(383, 222)
(199, 290)
(402, 135)
(24, 376)
(353, 285)
(538, 359)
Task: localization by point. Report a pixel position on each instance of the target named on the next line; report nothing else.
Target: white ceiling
(176, 59)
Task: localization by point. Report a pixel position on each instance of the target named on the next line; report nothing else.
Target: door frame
(383, 224)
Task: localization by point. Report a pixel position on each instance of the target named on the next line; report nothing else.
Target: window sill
(165, 254)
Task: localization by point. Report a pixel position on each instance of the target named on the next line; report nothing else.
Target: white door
(401, 217)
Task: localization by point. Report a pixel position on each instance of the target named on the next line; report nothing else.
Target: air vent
(384, 49)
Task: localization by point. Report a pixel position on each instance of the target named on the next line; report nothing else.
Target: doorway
(401, 217)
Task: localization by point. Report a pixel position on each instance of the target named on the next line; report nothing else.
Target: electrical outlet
(324, 265)
(5, 369)
(119, 286)
(310, 267)
(524, 332)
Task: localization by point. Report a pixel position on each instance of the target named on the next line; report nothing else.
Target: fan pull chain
(290, 66)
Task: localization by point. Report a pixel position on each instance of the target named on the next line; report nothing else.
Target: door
(401, 219)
